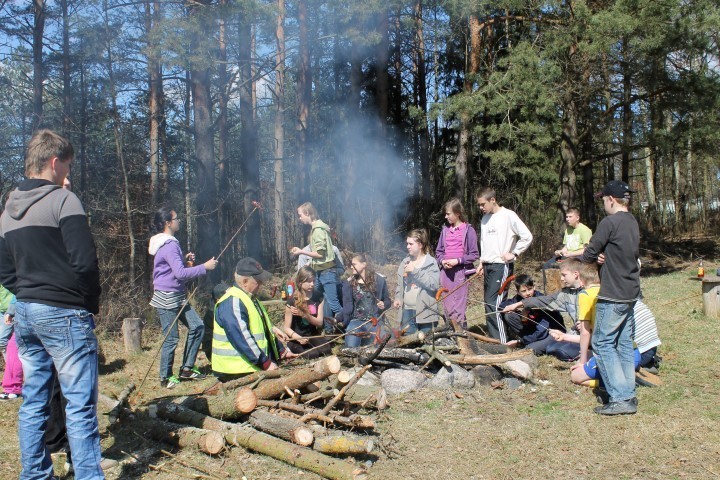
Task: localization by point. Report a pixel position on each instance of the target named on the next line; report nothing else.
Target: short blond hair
(308, 209)
(589, 274)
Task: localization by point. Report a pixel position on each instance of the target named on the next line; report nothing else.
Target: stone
(454, 377)
(519, 369)
(486, 374)
(396, 381)
(369, 379)
(512, 383)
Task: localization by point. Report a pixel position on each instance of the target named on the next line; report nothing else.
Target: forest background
(377, 112)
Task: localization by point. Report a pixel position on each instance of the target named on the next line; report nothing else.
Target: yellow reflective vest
(225, 359)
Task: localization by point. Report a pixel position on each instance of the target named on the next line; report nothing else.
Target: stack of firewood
(316, 416)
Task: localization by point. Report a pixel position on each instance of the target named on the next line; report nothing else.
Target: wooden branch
(406, 355)
(482, 338)
(207, 441)
(247, 380)
(229, 406)
(435, 353)
(488, 359)
(121, 402)
(251, 439)
(353, 421)
(416, 338)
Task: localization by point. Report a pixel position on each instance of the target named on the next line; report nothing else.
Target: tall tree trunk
(304, 99)
(249, 166)
(423, 133)
(206, 197)
(37, 48)
(464, 154)
(83, 122)
(119, 143)
(224, 212)
(568, 153)
(155, 101)
(281, 243)
(627, 115)
(67, 120)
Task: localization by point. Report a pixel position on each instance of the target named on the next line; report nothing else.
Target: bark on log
(282, 427)
(338, 381)
(344, 444)
(327, 392)
(230, 406)
(207, 441)
(251, 439)
(395, 354)
(487, 359)
(416, 338)
(437, 355)
(247, 380)
(353, 421)
(299, 378)
(341, 394)
(132, 335)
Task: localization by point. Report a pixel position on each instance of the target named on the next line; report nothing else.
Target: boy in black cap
(243, 338)
(618, 238)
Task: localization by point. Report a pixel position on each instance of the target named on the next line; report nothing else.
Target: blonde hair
(308, 209)
(420, 235)
(589, 274)
(571, 265)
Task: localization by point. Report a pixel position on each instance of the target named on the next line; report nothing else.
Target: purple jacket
(169, 270)
(472, 252)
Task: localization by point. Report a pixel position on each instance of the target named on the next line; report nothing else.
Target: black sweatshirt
(618, 237)
(47, 253)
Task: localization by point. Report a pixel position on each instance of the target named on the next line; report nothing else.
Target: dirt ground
(544, 430)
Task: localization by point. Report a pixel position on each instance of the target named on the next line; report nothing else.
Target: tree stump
(132, 335)
(711, 296)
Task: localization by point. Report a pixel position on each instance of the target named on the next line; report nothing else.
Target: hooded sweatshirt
(169, 270)
(321, 242)
(47, 253)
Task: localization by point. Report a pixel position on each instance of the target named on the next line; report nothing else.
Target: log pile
(318, 416)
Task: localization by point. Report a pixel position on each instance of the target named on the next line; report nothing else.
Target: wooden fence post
(132, 335)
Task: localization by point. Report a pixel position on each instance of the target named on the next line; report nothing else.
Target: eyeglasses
(174, 219)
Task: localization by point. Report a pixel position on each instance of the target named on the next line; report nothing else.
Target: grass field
(541, 431)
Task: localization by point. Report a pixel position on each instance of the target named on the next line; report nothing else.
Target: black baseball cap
(615, 189)
(249, 267)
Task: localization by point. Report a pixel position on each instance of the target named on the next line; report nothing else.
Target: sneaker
(10, 396)
(626, 407)
(172, 382)
(191, 374)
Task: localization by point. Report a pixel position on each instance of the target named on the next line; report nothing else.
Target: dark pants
(316, 347)
(495, 275)
(647, 358)
(56, 432)
(566, 351)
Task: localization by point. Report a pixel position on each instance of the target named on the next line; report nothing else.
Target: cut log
(282, 427)
(487, 359)
(338, 381)
(299, 378)
(344, 444)
(230, 406)
(251, 439)
(207, 441)
(132, 335)
(470, 346)
(353, 421)
(416, 338)
(443, 359)
(405, 355)
(247, 380)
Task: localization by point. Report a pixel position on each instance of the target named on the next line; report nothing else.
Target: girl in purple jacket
(456, 251)
(169, 277)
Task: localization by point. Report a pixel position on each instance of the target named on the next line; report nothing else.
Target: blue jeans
(613, 347)
(408, 320)
(196, 329)
(353, 341)
(326, 281)
(62, 337)
(6, 332)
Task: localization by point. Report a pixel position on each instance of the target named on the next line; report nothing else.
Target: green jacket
(7, 301)
(320, 242)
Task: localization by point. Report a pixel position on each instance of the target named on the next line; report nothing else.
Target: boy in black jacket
(530, 326)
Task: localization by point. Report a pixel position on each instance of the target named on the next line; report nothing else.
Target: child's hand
(8, 319)
(295, 311)
(381, 305)
(512, 307)
(512, 343)
(397, 304)
(576, 366)
(280, 335)
(556, 334)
